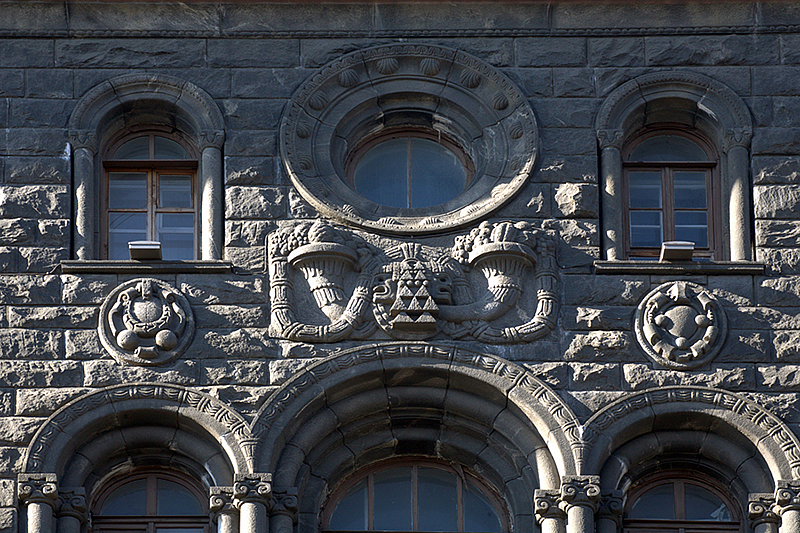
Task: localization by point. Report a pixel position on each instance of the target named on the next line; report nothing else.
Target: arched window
(415, 496)
(151, 502)
(150, 193)
(671, 191)
(675, 501)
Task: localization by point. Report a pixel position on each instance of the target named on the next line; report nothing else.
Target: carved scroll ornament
(411, 291)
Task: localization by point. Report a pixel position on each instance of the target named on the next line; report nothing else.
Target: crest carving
(145, 322)
(680, 325)
(410, 291)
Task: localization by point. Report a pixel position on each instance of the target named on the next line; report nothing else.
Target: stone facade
(319, 334)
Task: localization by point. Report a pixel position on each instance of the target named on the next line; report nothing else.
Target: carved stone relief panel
(145, 322)
(680, 325)
(409, 291)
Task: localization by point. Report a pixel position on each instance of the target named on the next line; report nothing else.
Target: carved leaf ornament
(145, 322)
(410, 291)
(680, 325)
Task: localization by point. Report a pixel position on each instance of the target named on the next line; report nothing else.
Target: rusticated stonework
(145, 322)
(443, 91)
(680, 325)
(411, 291)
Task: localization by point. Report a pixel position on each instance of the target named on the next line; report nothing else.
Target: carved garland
(414, 292)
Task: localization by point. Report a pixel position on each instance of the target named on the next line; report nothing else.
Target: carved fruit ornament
(680, 325)
(145, 322)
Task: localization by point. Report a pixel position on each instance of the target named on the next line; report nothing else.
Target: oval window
(410, 171)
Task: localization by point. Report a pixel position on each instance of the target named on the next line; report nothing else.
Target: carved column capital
(284, 502)
(737, 137)
(83, 139)
(211, 139)
(252, 488)
(580, 491)
(72, 502)
(221, 501)
(611, 506)
(610, 139)
(546, 505)
(761, 509)
(37, 488)
(787, 496)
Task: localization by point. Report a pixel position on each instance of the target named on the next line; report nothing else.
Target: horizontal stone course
(34, 201)
(734, 377)
(233, 372)
(31, 344)
(53, 317)
(253, 53)
(32, 373)
(44, 401)
(130, 53)
(106, 372)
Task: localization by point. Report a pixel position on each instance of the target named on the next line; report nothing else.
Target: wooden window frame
(153, 168)
(666, 169)
(460, 474)
(150, 521)
(680, 524)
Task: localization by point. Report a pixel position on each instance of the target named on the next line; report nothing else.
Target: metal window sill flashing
(145, 267)
(710, 268)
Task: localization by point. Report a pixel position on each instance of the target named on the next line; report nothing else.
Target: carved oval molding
(145, 322)
(442, 90)
(680, 325)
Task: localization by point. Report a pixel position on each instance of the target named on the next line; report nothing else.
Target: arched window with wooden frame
(671, 189)
(415, 495)
(678, 501)
(150, 193)
(151, 501)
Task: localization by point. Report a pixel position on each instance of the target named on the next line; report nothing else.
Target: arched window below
(673, 502)
(671, 193)
(151, 194)
(151, 502)
(415, 496)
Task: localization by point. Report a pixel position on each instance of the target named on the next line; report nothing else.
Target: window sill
(715, 268)
(145, 267)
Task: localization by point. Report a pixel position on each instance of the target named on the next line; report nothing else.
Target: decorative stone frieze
(145, 322)
(762, 509)
(37, 488)
(252, 488)
(580, 491)
(547, 505)
(414, 292)
(680, 325)
(439, 90)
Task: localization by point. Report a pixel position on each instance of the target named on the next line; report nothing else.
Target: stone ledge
(145, 267)
(716, 268)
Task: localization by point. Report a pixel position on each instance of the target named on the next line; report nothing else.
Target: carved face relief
(680, 325)
(145, 322)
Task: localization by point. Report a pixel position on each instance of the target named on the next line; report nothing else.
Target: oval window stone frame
(428, 87)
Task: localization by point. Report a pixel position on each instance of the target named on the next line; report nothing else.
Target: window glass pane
(702, 504)
(175, 231)
(174, 499)
(646, 229)
(692, 226)
(644, 189)
(657, 503)
(668, 148)
(437, 504)
(392, 500)
(127, 500)
(138, 148)
(127, 190)
(479, 514)
(690, 189)
(381, 174)
(351, 511)
(122, 228)
(437, 175)
(174, 191)
(168, 149)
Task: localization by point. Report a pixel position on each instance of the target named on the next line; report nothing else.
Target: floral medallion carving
(409, 291)
(145, 322)
(680, 325)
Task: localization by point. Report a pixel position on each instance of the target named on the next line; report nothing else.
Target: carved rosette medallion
(680, 325)
(145, 322)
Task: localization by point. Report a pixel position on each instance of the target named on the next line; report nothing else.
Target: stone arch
(688, 99)
(369, 403)
(124, 426)
(710, 427)
(146, 99)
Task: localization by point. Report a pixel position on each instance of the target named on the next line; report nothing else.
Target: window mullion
(668, 205)
(414, 500)
(151, 205)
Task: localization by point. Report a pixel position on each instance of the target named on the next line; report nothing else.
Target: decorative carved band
(221, 501)
(762, 509)
(72, 503)
(284, 502)
(583, 491)
(252, 488)
(547, 505)
(37, 488)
